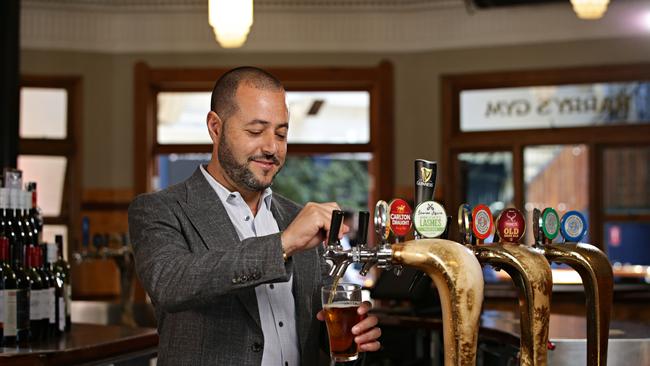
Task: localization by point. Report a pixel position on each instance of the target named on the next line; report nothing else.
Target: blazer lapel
(210, 219)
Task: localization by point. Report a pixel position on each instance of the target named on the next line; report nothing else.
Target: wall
(108, 90)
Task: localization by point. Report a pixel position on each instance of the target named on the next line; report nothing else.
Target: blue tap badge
(573, 226)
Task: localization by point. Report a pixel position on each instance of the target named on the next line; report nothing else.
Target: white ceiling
(118, 26)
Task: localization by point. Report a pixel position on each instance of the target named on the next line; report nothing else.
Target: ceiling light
(590, 9)
(231, 20)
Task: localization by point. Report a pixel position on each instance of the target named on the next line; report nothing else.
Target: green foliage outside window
(324, 179)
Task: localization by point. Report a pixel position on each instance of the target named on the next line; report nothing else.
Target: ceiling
(119, 26)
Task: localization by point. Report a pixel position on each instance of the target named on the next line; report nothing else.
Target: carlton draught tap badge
(400, 217)
(511, 225)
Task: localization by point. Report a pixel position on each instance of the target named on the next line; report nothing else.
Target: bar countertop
(86, 344)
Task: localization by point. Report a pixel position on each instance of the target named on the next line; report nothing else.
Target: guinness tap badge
(511, 225)
(425, 180)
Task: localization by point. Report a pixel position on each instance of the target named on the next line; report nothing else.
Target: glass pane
(175, 168)
(315, 117)
(181, 117)
(555, 106)
(556, 176)
(627, 242)
(486, 177)
(329, 117)
(322, 178)
(43, 113)
(336, 177)
(49, 174)
(626, 180)
(51, 231)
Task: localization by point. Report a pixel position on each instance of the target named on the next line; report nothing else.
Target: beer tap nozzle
(334, 251)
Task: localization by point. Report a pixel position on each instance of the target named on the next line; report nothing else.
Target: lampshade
(590, 9)
(231, 21)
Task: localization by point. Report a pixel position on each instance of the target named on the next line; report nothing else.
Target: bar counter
(87, 344)
(629, 342)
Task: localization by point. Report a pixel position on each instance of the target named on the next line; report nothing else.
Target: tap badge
(399, 217)
(573, 226)
(511, 225)
(430, 219)
(425, 177)
(482, 224)
(550, 223)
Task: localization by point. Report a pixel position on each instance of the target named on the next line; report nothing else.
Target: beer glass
(340, 303)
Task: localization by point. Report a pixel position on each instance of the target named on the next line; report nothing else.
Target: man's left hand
(366, 331)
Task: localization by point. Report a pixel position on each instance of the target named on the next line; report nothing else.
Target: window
(340, 134)
(49, 139)
(572, 139)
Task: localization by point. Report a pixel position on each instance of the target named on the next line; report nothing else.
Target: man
(233, 270)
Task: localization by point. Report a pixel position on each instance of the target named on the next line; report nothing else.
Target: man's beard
(240, 173)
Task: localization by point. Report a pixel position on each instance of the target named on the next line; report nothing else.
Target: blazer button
(256, 347)
(235, 280)
(244, 278)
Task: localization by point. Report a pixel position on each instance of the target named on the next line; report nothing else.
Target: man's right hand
(310, 228)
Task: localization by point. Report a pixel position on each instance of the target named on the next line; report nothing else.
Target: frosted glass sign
(329, 117)
(182, 118)
(314, 117)
(577, 105)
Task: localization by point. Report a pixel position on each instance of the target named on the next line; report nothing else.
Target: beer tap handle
(362, 230)
(425, 180)
(335, 227)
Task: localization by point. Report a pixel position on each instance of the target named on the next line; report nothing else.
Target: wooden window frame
(68, 147)
(377, 81)
(596, 138)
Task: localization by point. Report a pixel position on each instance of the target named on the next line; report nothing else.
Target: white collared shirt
(275, 300)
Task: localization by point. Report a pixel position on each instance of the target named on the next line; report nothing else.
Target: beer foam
(343, 304)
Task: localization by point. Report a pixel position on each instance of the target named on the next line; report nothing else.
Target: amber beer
(340, 316)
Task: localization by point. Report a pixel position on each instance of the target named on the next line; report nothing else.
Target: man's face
(253, 141)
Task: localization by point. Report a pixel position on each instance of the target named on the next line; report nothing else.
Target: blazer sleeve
(178, 279)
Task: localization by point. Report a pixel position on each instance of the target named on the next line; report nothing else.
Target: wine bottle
(50, 292)
(62, 269)
(8, 283)
(36, 313)
(17, 298)
(59, 289)
(35, 214)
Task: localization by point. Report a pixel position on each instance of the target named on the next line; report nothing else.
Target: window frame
(597, 138)
(69, 147)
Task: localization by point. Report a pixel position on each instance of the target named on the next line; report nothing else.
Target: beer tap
(453, 268)
(526, 266)
(591, 264)
(334, 251)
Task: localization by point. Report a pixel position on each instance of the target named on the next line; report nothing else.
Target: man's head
(248, 124)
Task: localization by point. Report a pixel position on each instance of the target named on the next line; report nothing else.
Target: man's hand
(366, 331)
(310, 227)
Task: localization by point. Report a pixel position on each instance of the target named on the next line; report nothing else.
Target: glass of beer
(340, 303)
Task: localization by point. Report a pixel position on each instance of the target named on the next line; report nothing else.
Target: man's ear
(215, 126)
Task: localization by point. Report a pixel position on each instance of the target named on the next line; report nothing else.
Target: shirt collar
(226, 196)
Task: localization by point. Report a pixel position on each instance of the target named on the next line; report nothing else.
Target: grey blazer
(201, 278)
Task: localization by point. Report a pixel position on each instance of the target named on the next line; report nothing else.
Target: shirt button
(247, 218)
(271, 286)
(280, 323)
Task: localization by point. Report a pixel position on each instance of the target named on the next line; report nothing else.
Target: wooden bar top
(85, 344)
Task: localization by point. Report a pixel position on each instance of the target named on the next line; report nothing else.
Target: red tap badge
(511, 225)
(482, 223)
(400, 217)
